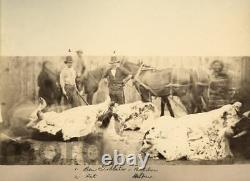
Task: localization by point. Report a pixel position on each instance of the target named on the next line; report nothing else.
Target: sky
(131, 27)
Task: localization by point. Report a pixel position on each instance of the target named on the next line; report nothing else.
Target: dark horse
(48, 82)
(90, 81)
(191, 86)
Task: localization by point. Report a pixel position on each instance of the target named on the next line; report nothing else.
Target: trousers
(73, 97)
(117, 96)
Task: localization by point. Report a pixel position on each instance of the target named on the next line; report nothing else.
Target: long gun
(82, 97)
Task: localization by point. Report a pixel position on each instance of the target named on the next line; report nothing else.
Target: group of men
(116, 75)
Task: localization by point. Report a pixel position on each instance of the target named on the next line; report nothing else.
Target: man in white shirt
(68, 83)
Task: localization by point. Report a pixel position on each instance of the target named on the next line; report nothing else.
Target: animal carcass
(75, 122)
(83, 120)
(202, 136)
(133, 115)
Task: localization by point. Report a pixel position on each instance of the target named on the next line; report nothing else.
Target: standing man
(117, 77)
(68, 83)
(219, 87)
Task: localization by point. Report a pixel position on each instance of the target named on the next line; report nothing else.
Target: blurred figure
(68, 83)
(219, 86)
(80, 70)
(79, 63)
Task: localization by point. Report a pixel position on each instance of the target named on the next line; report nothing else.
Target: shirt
(219, 90)
(113, 71)
(219, 85)
(67, 76)
(116, 78)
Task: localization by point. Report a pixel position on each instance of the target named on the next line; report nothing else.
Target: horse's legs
(164, 100)
(162, 107)
(145, 94)
(90, 98)
(199, 100)
(169, 107)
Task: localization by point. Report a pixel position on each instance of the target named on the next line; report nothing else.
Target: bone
(237, 105)
(247, 114)
(6, 137)
(240, 134)
(41, 106)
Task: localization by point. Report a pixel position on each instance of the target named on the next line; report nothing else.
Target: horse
(189, 85)
(90, 81)
(49, 78)
(48, 83)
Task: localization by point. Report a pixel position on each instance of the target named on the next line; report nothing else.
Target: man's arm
(127, 74)
(127, 79)
(106, 74)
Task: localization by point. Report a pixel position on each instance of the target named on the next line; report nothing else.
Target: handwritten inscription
(93, 172)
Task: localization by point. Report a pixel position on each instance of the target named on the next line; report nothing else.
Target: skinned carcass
(139, 115)
(202, 136)
(133, 115)
(83, 120)
(73, 123)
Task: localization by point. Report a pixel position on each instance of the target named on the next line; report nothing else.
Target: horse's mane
(136, 64)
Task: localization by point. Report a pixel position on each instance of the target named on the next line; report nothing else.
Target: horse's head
(130, 66)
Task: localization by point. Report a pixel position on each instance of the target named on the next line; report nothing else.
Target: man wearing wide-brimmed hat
(68, 83)
(117, 77)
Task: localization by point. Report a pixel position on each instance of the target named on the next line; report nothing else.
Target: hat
(69, 59)
(114, 59)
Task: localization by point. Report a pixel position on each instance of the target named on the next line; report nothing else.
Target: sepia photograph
(148, 90)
